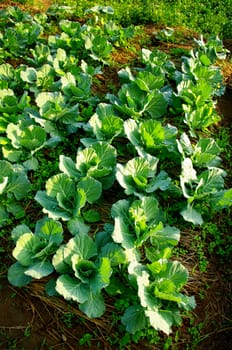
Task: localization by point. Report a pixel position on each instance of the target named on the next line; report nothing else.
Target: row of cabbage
(144, 140)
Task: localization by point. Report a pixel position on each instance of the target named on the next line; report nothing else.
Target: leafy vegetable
(152, 137)
(65, 198)
(134, 101)
(197, 188)
(24, 138)
(139, 176)
(10, 104)
(40, 79)
(14, 186)
(158, 281)
(98, 161)
(85, 271)
(99, 47)
(33, 251)
(77, 88)
(204, 154)
(52, 106)
(105, 123)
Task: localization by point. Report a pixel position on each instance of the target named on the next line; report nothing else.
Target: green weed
(86, 339)
(68, 319)
(204, 17)
(199, 246)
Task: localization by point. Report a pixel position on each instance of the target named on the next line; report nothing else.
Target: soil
(31, 321)
(17, 316)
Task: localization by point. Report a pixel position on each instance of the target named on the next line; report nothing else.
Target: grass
(208, 17)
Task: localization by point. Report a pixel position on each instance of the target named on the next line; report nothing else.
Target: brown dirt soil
(19, 320)
(224, 107)
(28, 323)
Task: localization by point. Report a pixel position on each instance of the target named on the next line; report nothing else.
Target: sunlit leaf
(72, 289)
(39, 269)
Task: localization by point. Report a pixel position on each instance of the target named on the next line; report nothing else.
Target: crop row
(144, 141)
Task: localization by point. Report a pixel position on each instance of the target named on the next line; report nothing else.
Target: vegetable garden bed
(113, 184)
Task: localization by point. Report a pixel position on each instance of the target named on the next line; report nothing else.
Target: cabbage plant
(85, 268)
(14, 187)
(139, 176)
(80, 182)
(152, 137)
(33, 251)
(141, 230)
